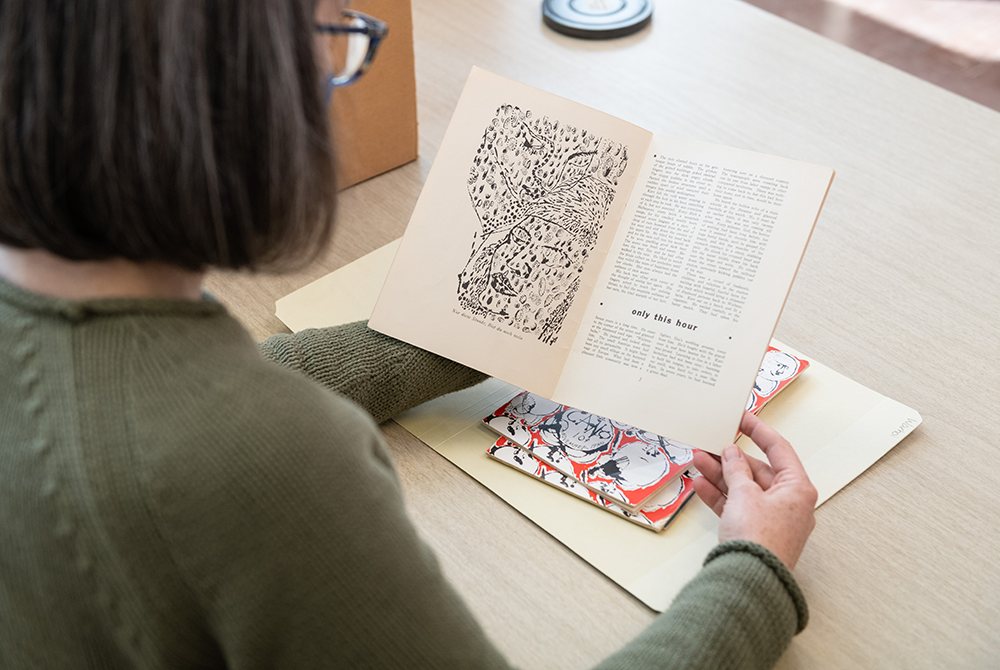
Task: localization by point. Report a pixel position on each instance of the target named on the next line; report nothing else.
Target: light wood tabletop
(899, 290)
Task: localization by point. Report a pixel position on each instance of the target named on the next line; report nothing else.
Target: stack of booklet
(633, 473)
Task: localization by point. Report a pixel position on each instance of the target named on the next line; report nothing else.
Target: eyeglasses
(352, 57)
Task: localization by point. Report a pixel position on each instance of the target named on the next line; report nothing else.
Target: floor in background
(952, 43)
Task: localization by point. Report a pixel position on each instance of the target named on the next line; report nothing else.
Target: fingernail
(731, 453)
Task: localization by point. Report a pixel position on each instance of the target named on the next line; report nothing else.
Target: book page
(507, 238)
(692, 289)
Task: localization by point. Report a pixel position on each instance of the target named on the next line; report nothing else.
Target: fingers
(710, 494)
(762, 472)
(709, 485)
(779, 452)
(710, 467)
(735, 468)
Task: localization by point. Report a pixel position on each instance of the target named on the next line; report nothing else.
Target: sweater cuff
(779, 569)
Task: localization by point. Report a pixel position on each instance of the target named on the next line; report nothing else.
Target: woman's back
(174, 499)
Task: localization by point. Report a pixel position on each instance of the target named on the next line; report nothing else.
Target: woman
(173, 499)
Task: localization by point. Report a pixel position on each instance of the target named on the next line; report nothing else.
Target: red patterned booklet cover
(655, 514)
(617, 461)
(777, 370)
(613, 465)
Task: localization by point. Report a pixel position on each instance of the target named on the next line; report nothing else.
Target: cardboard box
(375, 119)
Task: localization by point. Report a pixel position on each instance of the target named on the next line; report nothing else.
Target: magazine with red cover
(624, 464)
(620, 462)
(777, 370)
(655, 515)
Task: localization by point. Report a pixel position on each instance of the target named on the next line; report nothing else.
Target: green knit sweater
(172, 499)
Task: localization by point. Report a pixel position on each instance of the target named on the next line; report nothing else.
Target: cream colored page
(506, 240)
(692, 289)
(349, 294)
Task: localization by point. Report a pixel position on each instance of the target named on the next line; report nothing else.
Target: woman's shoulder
(257, 446)
(206, 407)
(224, 460)
(224, 403)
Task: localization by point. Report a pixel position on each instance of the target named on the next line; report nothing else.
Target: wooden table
(899, 290)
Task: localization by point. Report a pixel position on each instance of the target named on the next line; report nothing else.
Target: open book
(568, 252)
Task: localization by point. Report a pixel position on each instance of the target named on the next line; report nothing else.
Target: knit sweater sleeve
(740, 612)
(383, 375)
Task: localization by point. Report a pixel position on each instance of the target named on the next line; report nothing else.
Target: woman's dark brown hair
(182, 131)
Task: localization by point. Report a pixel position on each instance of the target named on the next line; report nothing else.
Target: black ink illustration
(777, 370)
(641, 459)
(541, 190)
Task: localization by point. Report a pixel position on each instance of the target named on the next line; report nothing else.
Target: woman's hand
(772, 505)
